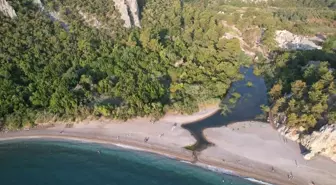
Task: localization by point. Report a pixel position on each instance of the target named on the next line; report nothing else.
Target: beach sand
(257, 147)
(250, 151)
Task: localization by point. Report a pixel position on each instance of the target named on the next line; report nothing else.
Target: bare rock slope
(7, 9)
(321, 142)
(129, 11)
(288, 40)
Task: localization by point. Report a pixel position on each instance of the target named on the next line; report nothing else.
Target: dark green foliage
(69, 68)
(74, 58)
(330, 44)
(302, 85)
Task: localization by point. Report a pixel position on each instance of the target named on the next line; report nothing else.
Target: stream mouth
(247, 108)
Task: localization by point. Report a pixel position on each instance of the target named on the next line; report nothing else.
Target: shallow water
(247, 108)
(33, 162)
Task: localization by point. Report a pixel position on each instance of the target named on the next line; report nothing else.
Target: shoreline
(184, 156)
(177, 153)
(120, 144)
(257, 148)
(247, 149)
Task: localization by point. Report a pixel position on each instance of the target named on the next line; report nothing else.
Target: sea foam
(216, 169)
(257, 181)
(129, 147)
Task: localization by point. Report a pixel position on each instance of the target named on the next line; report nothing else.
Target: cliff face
(7, 9)
(129, 11)
(288, 40)
(321, 142)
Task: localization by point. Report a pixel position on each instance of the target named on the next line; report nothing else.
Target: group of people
(162, 134)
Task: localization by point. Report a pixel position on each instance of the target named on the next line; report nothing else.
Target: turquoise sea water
(33, 162)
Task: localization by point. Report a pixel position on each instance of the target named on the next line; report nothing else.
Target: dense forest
(71, 59)
(302, 86)
(67, 69)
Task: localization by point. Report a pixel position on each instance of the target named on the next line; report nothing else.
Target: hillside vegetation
(73, 58)
(177, 61)
(301, 83)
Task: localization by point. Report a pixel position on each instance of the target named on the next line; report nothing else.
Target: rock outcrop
(290, 133)
(7, 9)
(129, 11)
(288, 40)
(321, 142)
(54, 16)
(90, 19)
(39, 4)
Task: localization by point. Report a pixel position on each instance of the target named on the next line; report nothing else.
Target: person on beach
(290, 176)
(174, 126)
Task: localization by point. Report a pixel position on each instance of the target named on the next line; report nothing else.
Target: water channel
(247, 108)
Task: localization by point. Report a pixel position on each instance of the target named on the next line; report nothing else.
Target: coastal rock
(290, 133)
(321, 142)
(129, 11)
(288, 40)
(7, 9)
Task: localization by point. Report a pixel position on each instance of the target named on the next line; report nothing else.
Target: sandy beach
(256, 147)
(249, 149)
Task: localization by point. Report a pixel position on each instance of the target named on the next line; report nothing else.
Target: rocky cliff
(129, 11)
(288, 40)
(7, 9)
(321, 142)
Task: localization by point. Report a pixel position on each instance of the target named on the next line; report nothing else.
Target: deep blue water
(33, 162)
